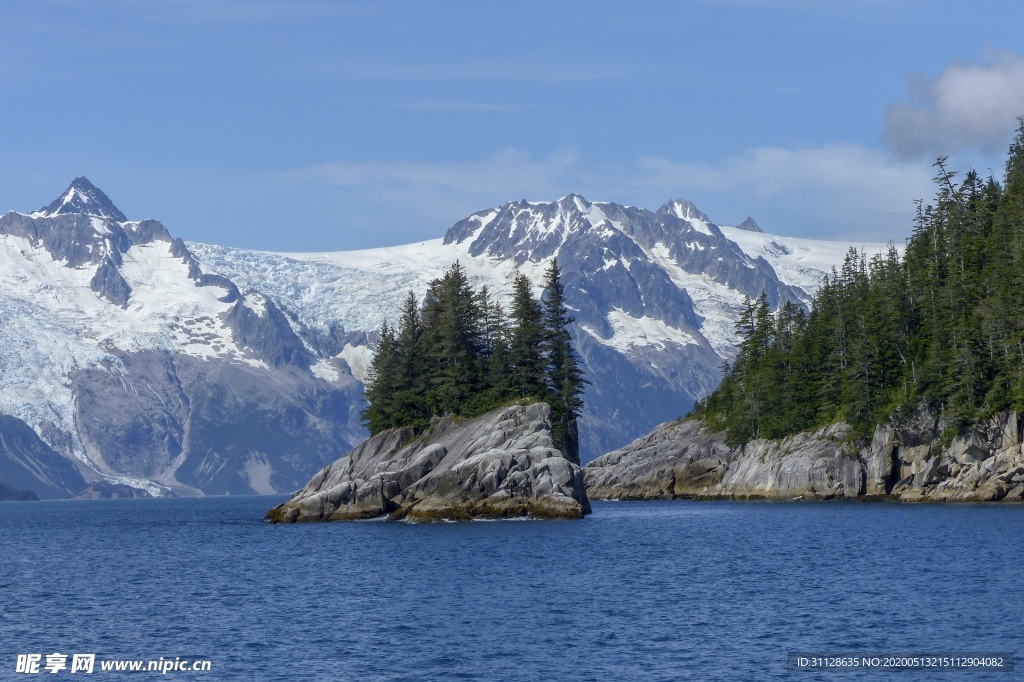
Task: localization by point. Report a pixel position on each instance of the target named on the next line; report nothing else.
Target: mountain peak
(749, 225)
(681, 208)
(82, 196)
(570, 199)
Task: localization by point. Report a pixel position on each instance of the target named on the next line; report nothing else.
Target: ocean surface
(637, 591)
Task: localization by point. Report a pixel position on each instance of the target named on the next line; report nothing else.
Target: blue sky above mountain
(333, 125)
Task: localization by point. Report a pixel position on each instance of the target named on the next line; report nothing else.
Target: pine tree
(564, 376)
(452, 336)
(940, 327)
(526, 358)
(405, 405)
(459, 354)
(381, 383)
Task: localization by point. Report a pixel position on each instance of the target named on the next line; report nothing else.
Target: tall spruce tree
(460, 354)
(451, 341)
(406, 407)
(939, 327)
(381, 385)
(526, 355)
(494, 360)
(564, 376)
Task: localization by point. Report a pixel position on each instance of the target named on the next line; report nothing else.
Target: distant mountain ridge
(129, 357)
(138, 365)
(655, 294)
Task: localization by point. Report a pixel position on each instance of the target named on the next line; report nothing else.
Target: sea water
(636, 591)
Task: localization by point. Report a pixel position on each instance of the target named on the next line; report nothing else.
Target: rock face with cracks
(907, 462)
(499, 465)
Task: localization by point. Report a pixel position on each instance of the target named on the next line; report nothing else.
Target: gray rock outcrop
(620, 260)
(212, 427)
(914, 463)
(821, 465)
(149, 373)
(677, 459)
(499, 465)
(28, 463)
(909, 462)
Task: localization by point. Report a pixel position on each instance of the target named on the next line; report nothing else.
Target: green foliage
(459, 354)
(940, 326)
(564, 378)
(526, 351)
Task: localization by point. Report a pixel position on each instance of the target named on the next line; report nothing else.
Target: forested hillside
(941, 326)
(460, 354)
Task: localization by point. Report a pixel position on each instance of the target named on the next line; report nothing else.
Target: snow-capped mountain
(655, 294)
(140, 365)
(130, 357)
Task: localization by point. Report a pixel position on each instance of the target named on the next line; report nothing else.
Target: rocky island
(902, 380)
(908, 462)
(502, 464)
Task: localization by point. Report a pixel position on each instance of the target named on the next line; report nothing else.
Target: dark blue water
(648, 591)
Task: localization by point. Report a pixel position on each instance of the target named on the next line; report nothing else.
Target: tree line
(941, 326)
(460, 353)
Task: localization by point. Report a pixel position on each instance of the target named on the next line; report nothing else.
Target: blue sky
(307, 125)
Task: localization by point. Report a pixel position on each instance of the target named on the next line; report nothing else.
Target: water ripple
(651, 591)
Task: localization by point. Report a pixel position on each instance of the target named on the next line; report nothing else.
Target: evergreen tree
(526, 358)
(494, 360)
(381, 385)
(405, 406)
(451, 341)
(564, 376)
(460, 354)
(940, 327)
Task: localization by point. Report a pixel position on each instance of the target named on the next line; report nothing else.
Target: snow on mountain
(91, 303)
(52, 313)
(140, 360)
(82, 197)
(655, 294)
(685, 210)
(801, 262)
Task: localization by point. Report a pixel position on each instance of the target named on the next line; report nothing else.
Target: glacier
(195, 368)
(655, 294)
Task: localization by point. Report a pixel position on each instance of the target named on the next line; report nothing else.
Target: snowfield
(657, 295)
(359, 290)
(802, 262)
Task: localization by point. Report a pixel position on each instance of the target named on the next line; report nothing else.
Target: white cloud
(969, 106)
(837, 190)
(406, 201)
(509, 173)
(773, 172)
(834, 190)
(466, 106)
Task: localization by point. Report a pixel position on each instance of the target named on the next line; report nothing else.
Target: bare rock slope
(498, 465)
(909, 462)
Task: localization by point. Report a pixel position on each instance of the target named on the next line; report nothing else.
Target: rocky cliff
(655, 294)
(909, 462)
(124, 361)
(499, 465)
(28, 463)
